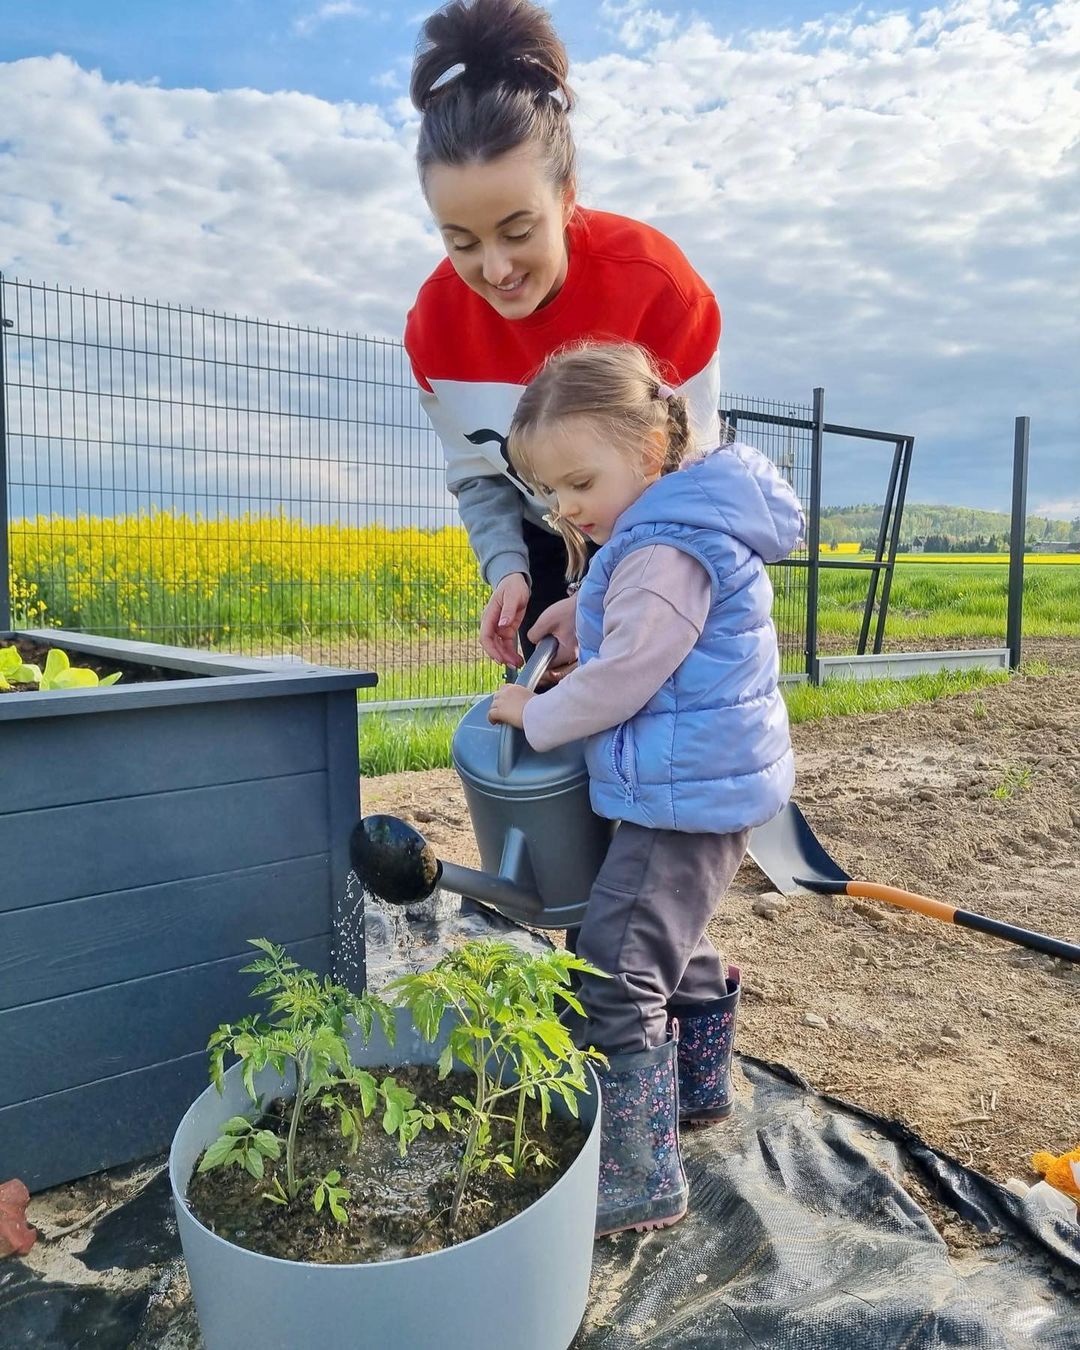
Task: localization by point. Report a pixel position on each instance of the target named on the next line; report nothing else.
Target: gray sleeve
(490, 509)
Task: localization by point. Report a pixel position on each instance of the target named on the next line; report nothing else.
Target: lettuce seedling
(59, 673)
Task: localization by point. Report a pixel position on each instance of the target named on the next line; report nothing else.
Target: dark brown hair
(511, 90)
(618, 387)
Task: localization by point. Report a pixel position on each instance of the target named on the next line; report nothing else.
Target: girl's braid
(678, 430)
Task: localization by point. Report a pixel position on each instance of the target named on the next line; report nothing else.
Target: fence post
(1015, 621)
(813, 537)
(5, 564)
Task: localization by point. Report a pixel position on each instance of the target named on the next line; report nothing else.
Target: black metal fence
(213, 481)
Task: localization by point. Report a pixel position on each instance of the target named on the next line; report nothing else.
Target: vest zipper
(622, 755)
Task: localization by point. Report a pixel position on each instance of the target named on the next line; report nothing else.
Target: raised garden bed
(147, 830)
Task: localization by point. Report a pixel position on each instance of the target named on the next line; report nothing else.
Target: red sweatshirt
(625, 282)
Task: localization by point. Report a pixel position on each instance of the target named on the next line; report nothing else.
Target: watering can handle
(510, 738)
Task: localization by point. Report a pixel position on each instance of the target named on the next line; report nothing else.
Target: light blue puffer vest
(710, 752)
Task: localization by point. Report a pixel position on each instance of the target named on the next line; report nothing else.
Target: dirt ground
(974, 800)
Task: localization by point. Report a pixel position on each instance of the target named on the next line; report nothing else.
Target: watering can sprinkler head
(393, 860)
(397, 864)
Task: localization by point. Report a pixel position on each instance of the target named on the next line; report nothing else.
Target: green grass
(966, 600)
(447, 679)
(1016, 779)
(848, 698)
(396, 743)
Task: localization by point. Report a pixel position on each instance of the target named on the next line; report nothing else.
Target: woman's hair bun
(485, 44)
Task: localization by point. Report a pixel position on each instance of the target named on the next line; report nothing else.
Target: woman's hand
(508, 704)
(502, 618)
(559, 620)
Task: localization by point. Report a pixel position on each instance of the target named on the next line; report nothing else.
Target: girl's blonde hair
(618, 387)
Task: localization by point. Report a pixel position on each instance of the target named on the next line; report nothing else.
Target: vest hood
(734, 488)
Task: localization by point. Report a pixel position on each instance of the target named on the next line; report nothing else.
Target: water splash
(378, 942)
(350, 937)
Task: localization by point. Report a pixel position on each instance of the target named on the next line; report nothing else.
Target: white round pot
(523, 1284)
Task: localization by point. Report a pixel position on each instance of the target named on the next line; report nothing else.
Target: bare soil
(396, 1206)
(975, 800)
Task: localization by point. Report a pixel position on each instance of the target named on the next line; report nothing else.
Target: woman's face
(503, 225)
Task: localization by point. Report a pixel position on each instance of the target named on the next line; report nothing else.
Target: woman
(527, 272)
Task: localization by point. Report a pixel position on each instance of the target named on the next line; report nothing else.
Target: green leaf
(320, 1198)
(268, 1144)
(446, 1061)
(569, 1096)
(217, 1068)
(111, 679)
(56, 662)
(336, 1207)
(236, 1125)
(248, 1075)
(369, 1092)
(253, 1162)
(77, 678)
(277, 1195)
(219, 1152)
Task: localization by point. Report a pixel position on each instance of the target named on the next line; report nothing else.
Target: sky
(885, 201)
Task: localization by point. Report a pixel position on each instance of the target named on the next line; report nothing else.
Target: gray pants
(645, 926)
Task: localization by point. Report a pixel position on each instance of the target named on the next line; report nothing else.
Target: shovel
(792, 857)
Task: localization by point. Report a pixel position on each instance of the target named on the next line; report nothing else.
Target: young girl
(527, 271)
(687, 735)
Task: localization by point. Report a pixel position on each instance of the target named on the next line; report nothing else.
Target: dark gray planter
(524, 1284)
(146, 832)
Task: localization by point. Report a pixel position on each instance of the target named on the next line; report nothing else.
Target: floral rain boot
(642, 1182)
(706, 1041)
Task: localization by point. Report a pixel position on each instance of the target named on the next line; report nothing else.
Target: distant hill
(941, 528)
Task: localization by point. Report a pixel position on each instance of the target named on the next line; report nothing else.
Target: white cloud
(888, 205)
(634, 24)
(1056, 509)
(333, 9)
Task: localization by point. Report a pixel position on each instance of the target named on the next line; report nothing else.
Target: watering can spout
(398, 865)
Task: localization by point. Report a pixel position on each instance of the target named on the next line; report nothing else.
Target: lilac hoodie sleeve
(656, 604)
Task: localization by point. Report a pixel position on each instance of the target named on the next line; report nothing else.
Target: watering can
(540, 844)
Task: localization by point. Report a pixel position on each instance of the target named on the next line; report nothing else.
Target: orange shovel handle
(922, 904)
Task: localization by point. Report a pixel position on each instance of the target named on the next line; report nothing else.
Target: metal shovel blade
(791, 855)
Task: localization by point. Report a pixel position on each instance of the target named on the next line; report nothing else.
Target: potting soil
(809, 1229)
(394, 1206)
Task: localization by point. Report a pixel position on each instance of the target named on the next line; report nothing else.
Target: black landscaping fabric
(801, 1236)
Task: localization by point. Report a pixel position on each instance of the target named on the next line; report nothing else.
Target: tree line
(943, 529)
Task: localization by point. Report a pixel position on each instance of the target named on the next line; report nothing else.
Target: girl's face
(593, 480)
(503, 225)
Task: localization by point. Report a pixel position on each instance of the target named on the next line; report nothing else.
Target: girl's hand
(502, 618)
(508, 704)
(559, 620)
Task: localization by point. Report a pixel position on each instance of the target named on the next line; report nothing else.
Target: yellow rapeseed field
(181, 576)
(1030, 559)
(260, 579)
